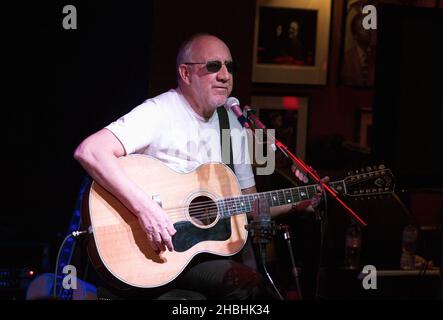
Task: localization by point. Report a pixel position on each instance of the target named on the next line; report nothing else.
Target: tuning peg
(381, 167)
(368, 169)
(362, 170)
(350, 173)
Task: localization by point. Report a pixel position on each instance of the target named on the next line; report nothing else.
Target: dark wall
(409, 95)
(67, 84)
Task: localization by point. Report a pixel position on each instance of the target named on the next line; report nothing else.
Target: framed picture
(291, 41)
(288, 115)
(359, 44)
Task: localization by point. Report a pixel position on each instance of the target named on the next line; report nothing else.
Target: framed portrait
(359, 46)
(291, 41)
(288, 115)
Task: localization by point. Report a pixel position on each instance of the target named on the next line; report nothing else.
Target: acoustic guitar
(206, 207)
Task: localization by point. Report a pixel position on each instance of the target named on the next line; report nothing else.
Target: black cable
(323, 224)
(72, 234)
(294, 267)
(323, 218)
(261, 251)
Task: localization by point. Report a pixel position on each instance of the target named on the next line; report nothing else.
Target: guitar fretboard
(245, 203)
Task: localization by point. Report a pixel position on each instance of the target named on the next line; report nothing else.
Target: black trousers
(217, 279)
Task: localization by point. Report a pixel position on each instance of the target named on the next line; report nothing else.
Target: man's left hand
(312, 204)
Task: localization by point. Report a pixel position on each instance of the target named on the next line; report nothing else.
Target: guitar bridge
(158, 200)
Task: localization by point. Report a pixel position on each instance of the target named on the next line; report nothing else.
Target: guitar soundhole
(203, 211)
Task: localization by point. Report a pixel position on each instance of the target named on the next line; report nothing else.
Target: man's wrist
(301, 206)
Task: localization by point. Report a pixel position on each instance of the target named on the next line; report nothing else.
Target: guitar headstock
(369, 181)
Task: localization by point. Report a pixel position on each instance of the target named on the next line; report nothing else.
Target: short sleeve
(140, 127)
(245, 175)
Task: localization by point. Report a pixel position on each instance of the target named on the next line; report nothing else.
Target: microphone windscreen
(230, 102)
(265, 210)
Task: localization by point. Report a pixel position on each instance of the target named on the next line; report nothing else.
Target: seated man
(167, 127)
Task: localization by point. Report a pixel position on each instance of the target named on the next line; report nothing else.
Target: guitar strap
(245, 256)
(223, 120)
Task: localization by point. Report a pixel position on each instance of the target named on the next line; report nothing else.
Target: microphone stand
(253, 119)
(286, 230)
(262, 229)
(300, 163)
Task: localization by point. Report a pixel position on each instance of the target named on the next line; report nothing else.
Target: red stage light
(290, 103)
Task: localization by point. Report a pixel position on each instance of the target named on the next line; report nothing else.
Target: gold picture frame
(291, 41)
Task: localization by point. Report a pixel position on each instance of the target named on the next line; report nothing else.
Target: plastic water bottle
(409, 246)
(353, 246)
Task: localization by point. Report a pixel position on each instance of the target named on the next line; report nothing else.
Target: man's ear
(184, 74)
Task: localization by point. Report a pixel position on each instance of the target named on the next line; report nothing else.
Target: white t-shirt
(167, 128)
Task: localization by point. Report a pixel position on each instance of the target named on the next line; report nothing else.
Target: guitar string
(203, 207)
(208, 215)
(205, 214)
(204, 203)
(260, 194)
(231, 200)
(227, 203)
(201, 210)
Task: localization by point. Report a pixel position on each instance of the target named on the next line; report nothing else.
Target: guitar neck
(245, 203)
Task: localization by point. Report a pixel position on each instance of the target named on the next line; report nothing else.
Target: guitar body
(120, 250)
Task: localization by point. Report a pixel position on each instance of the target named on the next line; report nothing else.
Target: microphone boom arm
(300, 163)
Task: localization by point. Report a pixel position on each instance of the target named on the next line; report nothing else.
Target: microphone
(234, 105)
(261, 226)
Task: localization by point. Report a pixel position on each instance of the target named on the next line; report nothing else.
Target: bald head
(195, 44)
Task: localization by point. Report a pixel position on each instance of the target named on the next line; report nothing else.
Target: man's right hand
(98, 154)
(158, 227)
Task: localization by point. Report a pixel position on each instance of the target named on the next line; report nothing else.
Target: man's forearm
(106, 171)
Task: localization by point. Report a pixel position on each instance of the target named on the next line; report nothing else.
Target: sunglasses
(215, 65)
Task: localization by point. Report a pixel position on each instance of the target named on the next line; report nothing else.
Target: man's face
(293, 30)
(210, 90)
